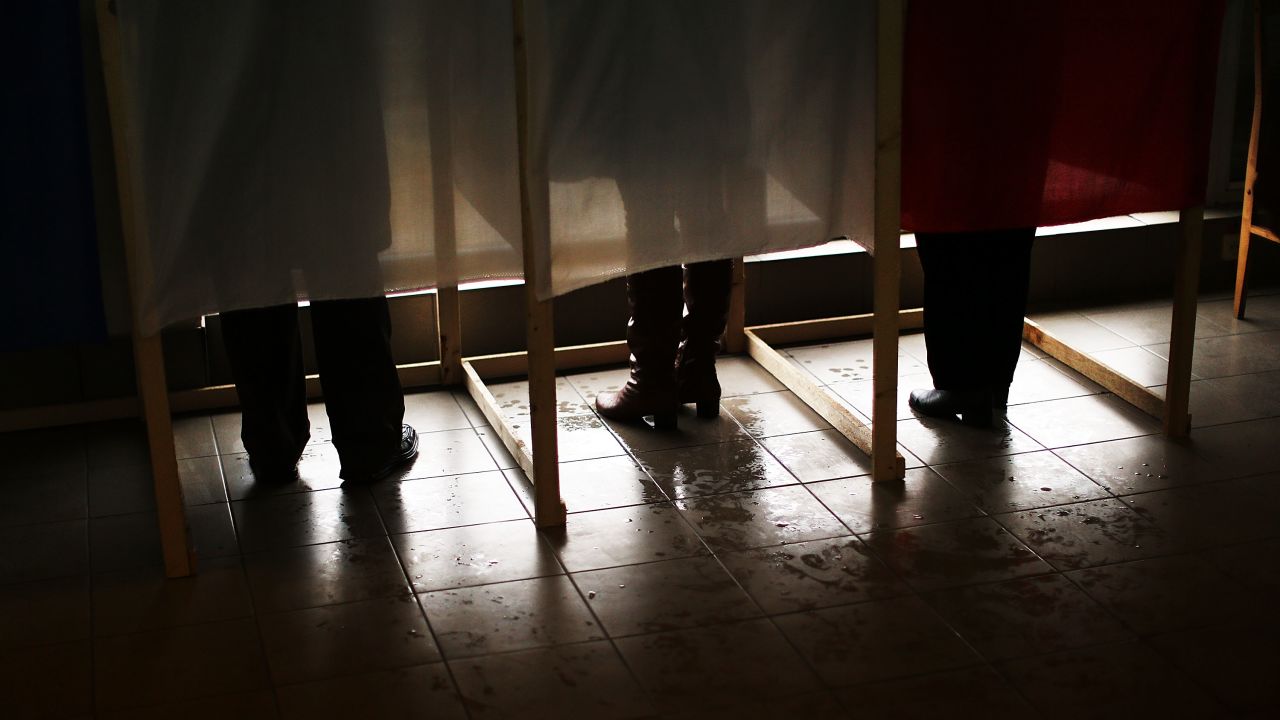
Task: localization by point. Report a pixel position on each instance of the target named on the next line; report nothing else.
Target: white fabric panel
(285, 149)
(669, 131)
(289, 149)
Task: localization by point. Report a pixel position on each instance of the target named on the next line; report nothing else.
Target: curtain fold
(331, 148)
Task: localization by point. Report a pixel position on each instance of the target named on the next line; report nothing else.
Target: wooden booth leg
(147, 351)
(170, 510)
(1173, 409)
(549, 509)
(1177, 397)
(735, 339)
(449, 324)
(443, 215)
(880, 440)
(891, 24)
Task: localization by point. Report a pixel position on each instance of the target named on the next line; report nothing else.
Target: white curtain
(671, 131)
(290, 149)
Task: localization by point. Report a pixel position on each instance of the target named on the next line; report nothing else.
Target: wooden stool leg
(1242, 270)
(1250, 170)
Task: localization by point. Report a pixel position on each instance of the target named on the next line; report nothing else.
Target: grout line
(673, 503)
(422, 611)
(244, 574)
(89, 579)
(628, 452)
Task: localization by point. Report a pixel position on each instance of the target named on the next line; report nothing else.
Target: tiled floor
(1071, 563)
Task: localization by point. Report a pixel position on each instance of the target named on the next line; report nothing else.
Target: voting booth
(268, 153)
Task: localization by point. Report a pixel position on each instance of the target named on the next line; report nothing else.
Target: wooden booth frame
(538, 457)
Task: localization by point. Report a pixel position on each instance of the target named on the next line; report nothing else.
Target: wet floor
(1069, 563)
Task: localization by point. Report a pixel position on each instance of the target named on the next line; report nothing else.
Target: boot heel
(664, 421)
(708, 408)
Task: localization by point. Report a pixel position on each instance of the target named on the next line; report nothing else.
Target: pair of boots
(673, 353)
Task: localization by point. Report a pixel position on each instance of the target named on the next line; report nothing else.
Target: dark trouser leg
(951, 278)
(653, 336)
(1008, 257)
(706, 298)
(265, 352)
(975, 296)
(361, 387)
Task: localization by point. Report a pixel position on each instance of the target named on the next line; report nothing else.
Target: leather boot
(653, 335)
(706, 296)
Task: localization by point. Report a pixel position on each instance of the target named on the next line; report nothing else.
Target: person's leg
(654, 299)
(361, 387)
(1008, 263)
(653, 336)
(954, 284)
(706, 299)
(265, 354)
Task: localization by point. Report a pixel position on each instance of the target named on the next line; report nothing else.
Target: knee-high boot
(706, 295)
(653, 335)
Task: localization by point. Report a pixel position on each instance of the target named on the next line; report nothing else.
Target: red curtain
(1019, 113)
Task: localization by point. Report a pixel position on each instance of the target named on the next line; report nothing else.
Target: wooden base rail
(841, 417)
(1124, 387)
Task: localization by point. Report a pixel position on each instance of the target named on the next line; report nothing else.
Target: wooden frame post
(148, 354)
(443, 214)
(549, 509)
(1186, 285)
(449, 326)
(890, 29)
(735, 339)
(880, 440)
(1173, 410)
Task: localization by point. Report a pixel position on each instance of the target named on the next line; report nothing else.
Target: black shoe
(973, 406)
(403, 457)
